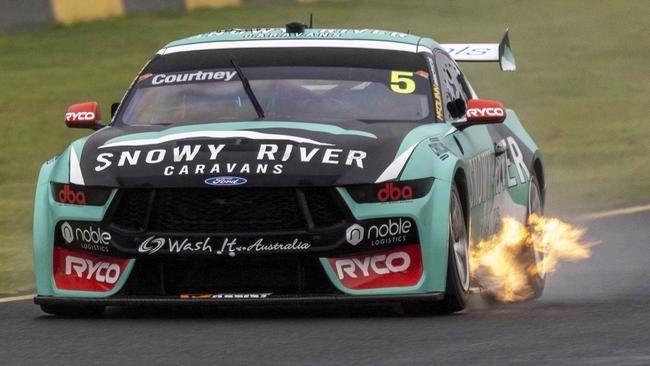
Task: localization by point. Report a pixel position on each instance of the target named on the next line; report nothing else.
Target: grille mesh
(132, 209)
(229, 210)
(225, 210)
(322, 206)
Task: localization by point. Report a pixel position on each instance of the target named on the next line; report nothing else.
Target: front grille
(176, 276)
(226, 210)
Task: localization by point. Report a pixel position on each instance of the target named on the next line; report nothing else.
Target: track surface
(595, 312)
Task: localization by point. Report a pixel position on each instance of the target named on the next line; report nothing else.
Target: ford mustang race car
(286, 166)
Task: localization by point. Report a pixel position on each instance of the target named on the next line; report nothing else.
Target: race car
(286, 166)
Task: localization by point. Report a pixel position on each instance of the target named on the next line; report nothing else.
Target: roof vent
(296, 27)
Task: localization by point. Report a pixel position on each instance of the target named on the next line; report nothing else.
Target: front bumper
(422, 212)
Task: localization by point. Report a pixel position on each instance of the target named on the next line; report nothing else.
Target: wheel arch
(538, 168)
(460, 179)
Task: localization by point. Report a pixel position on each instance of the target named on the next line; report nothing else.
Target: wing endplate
(484, 52)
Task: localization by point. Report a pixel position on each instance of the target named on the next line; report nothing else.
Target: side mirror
(84, 115)
(114, 108)
(481, 112)
(457, 108)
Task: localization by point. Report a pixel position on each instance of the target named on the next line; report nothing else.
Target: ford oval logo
(226, 181)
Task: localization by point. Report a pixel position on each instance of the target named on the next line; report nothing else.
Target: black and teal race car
(285, 166)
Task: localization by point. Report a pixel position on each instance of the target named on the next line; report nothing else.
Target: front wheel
(458, 271)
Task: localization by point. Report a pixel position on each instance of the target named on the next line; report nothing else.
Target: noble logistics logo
(67, 232)
(354, 234)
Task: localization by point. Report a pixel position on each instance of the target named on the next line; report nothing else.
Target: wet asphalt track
(595, 312)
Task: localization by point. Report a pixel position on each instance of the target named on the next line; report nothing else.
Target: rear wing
(484, 52)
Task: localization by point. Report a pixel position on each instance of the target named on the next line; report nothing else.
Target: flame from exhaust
(504, 263)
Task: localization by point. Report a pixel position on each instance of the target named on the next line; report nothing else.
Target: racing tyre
(458, 272)
(532, 256)
(70, 311)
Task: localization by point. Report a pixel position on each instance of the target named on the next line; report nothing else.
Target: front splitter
(275, 300)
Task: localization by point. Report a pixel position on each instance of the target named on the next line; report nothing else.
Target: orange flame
(504, 263)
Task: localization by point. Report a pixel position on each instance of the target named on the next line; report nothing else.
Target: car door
(476, 146)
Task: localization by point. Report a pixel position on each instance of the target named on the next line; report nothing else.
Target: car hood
(257, 153)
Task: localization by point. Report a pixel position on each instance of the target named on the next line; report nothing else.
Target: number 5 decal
(402, 82)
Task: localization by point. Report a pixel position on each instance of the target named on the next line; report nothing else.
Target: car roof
(311, 37)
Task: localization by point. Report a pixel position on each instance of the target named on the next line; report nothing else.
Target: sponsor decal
(207, 159)
(228, 246)
(437, 97)
(393, 231)
(439, 148)
(82, 114)
(423, 74)
(67, 232)
(225, 181)
(466, 50)
(490, 175)
(176, 78)
(79, 116)
(144, 76)
(486, 112)
(383, 232)
(438, 101)
(86, 236)
(101, 271)
(85, 272)
(354, 234)
(271, 33)
(481, 168)
(73, 194)
(227, 296)
(67, 195)
(399, 267)
(392, 192)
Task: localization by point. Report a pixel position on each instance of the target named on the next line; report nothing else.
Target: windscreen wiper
(247, 88)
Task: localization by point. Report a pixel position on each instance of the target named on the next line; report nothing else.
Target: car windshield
(287, 93)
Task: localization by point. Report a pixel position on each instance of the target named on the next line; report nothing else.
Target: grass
(581, 89)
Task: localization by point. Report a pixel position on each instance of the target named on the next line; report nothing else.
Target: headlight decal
(390, 191)
(73, 194)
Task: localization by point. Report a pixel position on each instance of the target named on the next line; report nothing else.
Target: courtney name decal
(230, 247)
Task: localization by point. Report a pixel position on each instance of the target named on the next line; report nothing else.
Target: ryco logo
(399, 267)
(79, 116)
(486, 112)
(81, 271)
(379, 265)
(67, 195)
(85, 268)
(390, 192)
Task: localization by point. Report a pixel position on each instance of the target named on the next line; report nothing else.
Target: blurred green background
(581, 88)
